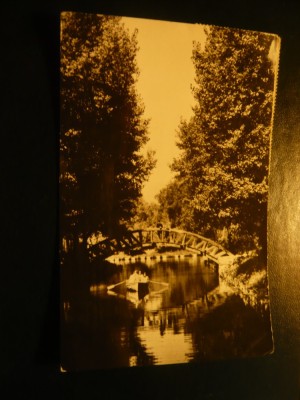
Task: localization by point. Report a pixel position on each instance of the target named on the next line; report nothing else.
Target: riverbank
(247, 277)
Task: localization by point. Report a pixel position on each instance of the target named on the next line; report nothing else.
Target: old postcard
(164, 166)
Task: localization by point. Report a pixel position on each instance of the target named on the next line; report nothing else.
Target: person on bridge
(159, 226)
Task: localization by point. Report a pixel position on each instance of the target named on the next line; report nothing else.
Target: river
(186, 316)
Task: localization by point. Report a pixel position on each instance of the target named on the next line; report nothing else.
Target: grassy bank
(247, 277)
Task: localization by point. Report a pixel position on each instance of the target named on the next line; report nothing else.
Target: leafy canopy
(102, 124)
(225, 144)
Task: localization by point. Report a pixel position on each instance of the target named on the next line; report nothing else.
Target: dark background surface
(29, 333)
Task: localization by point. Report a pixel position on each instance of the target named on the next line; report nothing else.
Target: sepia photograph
(165, 140)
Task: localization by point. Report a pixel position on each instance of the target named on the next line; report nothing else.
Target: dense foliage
(223, 167)
(149, 215)
(102, 125)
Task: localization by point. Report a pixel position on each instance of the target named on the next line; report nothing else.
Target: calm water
(185, 317)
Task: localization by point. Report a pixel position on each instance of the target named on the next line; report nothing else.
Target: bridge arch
(139, 240)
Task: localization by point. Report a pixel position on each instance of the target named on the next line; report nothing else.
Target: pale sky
(166, 75)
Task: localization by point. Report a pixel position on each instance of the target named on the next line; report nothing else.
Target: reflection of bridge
(137, 241)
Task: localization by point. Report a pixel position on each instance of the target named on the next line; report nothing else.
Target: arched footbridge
(138, 241)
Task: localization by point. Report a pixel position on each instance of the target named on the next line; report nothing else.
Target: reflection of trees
(219, 324)
(161, 320)
(187, 281)
(231, 330)
(101, 333)
(104, 331)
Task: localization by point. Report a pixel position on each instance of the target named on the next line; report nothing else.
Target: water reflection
(185, 316)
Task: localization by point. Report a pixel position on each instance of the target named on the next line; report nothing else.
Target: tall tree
(102, 125)
(174, 203)
(225, 145)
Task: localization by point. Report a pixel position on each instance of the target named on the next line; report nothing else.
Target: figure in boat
(137, 282)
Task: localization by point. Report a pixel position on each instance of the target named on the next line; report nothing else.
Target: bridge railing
(139, 239)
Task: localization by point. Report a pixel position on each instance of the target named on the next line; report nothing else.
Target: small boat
(138, 282)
